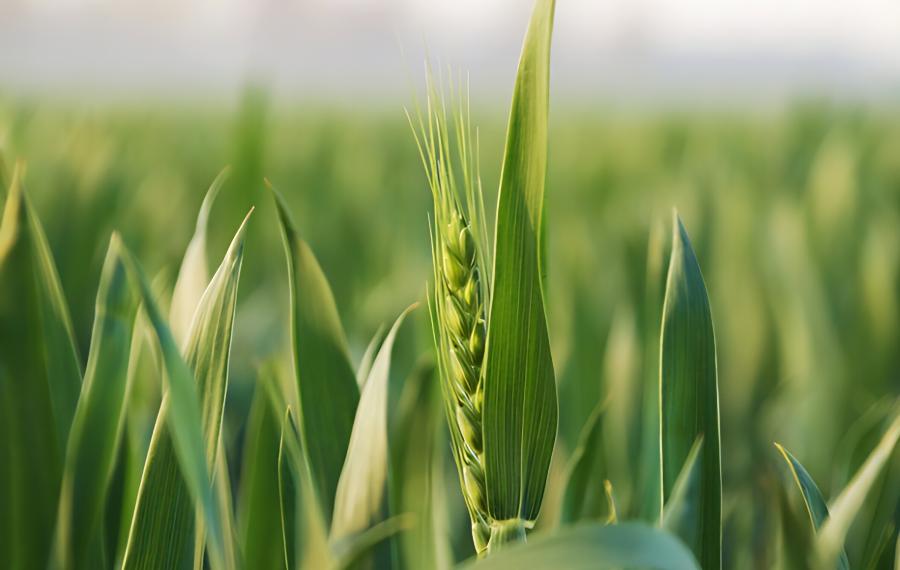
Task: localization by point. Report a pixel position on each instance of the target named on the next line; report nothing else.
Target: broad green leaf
(595, 547)
(98, 421)
(193, 277)
(361, 490)
(181, 458)
(40, 379)
(259, 504)
(520, 407)
(326, 383)
(680, 514)
(815, 503)
(831, 536)
(582, 498)
(689, 394)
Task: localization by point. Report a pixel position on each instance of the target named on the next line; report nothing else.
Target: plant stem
(506, 533)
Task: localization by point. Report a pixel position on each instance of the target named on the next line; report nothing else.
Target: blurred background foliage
(795, 216)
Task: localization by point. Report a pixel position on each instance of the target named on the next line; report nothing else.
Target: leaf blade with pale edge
(520, 407)
(40, 379)
(830, 540)
(815, 503)
(595, 547)
(689, 394)
(98, 421)
(361, 489)
(185, 438)
(322, 365)
(193, 276)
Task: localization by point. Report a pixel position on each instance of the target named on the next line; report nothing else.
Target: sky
(354, 50)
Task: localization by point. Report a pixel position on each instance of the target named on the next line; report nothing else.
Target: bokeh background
(773, 127)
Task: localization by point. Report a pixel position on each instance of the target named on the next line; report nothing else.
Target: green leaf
(185, 438)
(193, 277)
(584, 473)
(353, 549)
(680, 515)
(812, 498)
(520, 407)
(595, 547)
(689, 394)
(368, 357)
(40, 379)
(259, 504)
(361, 490)
(289, 465)
(328, 393)
(830, 540)
(796, 536)
(97, 425)
(417, 450)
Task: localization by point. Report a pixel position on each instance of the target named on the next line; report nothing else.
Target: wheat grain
(459, 293)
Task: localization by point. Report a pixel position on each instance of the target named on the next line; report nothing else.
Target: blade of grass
(40, 379)
(326, 383)
(831, 536)
(259, 503)
(585, 469)
(177, 470)
(520, 407)
(193, 276)
(97, 425)
(812, 498)
(689, 394)
(361, 489)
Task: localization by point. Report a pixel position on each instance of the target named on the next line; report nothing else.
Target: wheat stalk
(460, 290)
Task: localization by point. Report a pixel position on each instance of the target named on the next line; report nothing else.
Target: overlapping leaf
(97, 426)
(361, 490)
(326, 383)
(40, 379)
(177, 470)
(520, 406)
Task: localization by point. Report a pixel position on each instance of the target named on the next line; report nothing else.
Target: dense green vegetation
(793, 217)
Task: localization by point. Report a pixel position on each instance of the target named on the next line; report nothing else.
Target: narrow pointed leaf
(830, 540)
(689, 398)
(815, 503)
(40, 379)
(97, 425)
(520, 407)
(178, 466)
(368, 357)
(361, 490)
(585, 470)
(321, 364)
(193, 277)
(595, 547)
